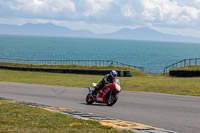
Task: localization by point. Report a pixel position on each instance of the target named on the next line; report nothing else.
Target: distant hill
(43, 30)
(149, 34)
(131, 34)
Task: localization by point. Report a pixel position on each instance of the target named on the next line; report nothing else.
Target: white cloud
(116, 13)
(96, 6)
(167, 12)
(30, 6)
(40, 6)
(128, 11)
(62, 5)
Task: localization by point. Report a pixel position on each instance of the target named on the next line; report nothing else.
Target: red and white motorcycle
(108, 94)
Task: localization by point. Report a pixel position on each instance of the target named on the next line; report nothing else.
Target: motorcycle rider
(108, 78)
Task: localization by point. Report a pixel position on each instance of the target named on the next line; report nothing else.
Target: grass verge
(108, 67)
(188, 68)
(15, 117)
(148, 83)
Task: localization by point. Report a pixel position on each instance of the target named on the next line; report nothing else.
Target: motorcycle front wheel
(89, 99)
(111, 101)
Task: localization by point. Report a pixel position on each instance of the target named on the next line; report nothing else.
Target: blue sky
(103, 16)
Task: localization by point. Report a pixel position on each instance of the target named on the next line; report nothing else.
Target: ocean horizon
(153, 56)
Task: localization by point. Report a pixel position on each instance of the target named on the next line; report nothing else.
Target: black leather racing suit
(106, 80)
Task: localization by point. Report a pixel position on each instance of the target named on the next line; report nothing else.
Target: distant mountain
(131, 34)
(43, 30)
(149, 34)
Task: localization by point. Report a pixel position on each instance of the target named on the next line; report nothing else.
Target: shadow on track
(94, 104)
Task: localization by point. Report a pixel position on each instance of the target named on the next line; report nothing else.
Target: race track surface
(171, 112)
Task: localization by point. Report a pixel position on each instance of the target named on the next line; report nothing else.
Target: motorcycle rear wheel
(89, 99)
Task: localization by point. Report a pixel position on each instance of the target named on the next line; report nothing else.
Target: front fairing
(110, 87)
(116, 85)
(117, 88)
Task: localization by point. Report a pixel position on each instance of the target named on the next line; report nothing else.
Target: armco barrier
(184, 73)
(121, 73)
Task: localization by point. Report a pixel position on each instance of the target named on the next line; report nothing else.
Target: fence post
(184, 62)
(195, 61)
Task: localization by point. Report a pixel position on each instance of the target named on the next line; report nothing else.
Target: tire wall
(184, 73)
(121, 73)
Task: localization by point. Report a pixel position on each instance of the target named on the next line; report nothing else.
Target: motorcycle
(108, 94)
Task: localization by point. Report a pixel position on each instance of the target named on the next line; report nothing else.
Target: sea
(153, 56)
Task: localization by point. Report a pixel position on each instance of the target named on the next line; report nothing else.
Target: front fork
(110, 96)
(90, 90)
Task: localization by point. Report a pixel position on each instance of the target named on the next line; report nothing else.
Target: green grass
(16, 117)
(188, 68)
(148, 82)
(163, 84)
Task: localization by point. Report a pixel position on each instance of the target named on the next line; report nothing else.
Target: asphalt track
(172, 112)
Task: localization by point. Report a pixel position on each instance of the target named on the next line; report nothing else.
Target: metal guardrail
(183, 63)
(70, 62)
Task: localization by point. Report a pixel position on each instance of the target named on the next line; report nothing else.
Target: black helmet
(113, 73)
